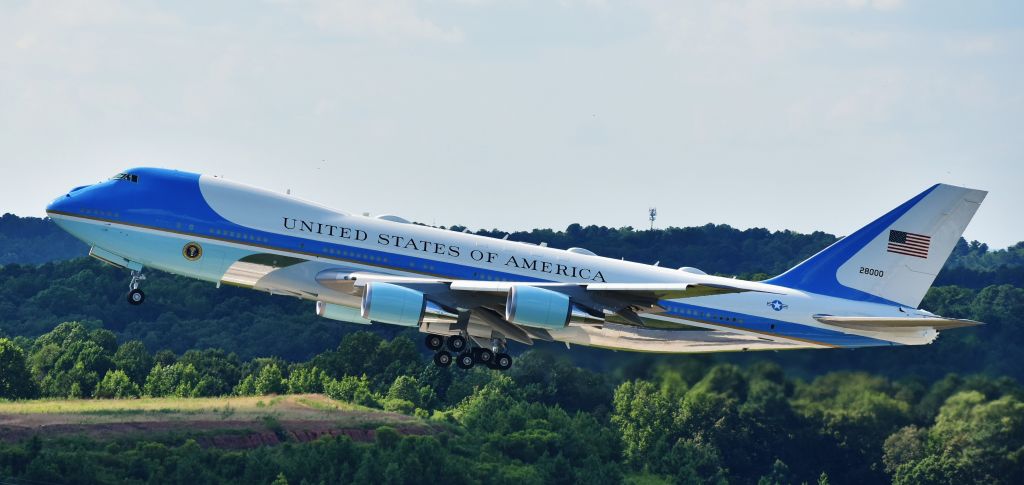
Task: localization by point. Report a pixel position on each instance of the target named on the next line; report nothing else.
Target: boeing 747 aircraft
(471, 294)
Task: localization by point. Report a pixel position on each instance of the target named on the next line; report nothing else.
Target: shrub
(399, 406)
(270, 380)
(117, 385)
(351, 389)
(305, 380)
(176, 380)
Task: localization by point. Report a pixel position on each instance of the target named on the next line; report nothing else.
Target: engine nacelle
(394, 304)
(340, 313)
(537, 307)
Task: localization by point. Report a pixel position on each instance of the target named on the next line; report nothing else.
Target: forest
(951, 412)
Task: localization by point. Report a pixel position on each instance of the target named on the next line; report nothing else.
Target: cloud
(383, 19)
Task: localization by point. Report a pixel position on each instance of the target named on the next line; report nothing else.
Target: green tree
(351, 389)
(133, 358)
(644, 417)
(304, 379)
(178, 380)
(117, 385)
(68, 361)
(218, 370)
(15, 380)
(270, 380)
(405, 388)
(246, 387)
(854, 413)
(973, 440)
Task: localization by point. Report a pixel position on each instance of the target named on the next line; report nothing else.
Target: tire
(136, 297)
(483, 356)
(503, 361)
(456, 343)
(434, 342)
(465, 360)
(443, 359)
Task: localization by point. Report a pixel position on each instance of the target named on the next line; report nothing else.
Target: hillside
(30, 240)
(224, 422)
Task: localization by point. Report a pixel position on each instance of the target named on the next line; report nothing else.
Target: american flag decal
(909, 244)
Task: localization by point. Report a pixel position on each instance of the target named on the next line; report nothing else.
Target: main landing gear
(135, 295)
(464, 357)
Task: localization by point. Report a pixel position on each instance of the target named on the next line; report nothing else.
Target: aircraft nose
(60, 204)
(64, 203)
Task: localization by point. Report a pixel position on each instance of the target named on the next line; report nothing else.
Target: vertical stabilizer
(895, 258)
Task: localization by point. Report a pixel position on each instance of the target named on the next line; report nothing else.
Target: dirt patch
(219, 434)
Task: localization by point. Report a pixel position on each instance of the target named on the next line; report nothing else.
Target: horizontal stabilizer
(898, 323)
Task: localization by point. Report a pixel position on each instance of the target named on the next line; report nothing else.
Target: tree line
(547, 420)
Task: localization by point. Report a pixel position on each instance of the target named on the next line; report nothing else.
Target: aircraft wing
(631, 294)
(621, 301)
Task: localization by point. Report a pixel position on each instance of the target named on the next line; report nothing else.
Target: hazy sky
(798, 114)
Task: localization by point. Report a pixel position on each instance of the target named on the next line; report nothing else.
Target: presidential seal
(192, 251)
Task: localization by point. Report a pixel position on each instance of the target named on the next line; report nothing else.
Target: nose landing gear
(135, 295)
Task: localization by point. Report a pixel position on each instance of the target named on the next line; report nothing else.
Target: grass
(298, 407)
(237, 404)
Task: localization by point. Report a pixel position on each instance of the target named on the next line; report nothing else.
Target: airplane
(473, 295)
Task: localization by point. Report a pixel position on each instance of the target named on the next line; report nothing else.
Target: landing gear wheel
(465, 360)
(136, 297)
(483, 356)
(456, 343)
(443, 359)
(435, 342)
(502, 361)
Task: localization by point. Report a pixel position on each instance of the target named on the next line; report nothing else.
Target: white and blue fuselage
(220, 231)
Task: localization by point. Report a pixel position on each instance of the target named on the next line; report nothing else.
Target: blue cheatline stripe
(818, 273)
(769, 326)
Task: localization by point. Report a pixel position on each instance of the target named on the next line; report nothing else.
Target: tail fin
(894, 259)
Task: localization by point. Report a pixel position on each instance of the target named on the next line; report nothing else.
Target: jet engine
(537, 307)
(340, 313)
(398, 305)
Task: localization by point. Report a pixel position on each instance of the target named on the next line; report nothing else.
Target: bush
(399, 406)
(305, 380)
(178, 380)
(270, 380)
(351, 389)
(405, 388)
(247, 387)
(117, 385)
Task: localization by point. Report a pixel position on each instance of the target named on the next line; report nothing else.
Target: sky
(791, 114)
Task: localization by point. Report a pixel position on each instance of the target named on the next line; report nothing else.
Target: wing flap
(621, 337)
(667, 291)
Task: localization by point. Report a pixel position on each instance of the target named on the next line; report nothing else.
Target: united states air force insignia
(192, 251)
(777, 305)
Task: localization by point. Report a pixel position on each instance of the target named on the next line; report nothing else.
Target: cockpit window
(126, 176)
